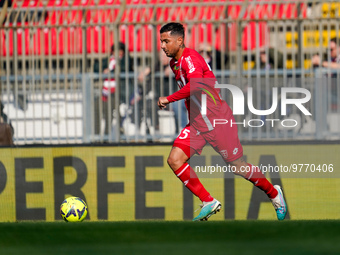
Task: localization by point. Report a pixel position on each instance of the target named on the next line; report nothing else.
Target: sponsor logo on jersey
(235, 151)
(190, 64)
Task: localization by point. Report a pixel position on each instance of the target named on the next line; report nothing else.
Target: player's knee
(177, 158)
(174, 162)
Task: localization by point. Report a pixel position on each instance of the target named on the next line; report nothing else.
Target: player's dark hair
(174, 28)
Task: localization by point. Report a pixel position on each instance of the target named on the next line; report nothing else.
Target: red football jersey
(194, 78)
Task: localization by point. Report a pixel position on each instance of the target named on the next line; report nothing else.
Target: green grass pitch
(165, 237)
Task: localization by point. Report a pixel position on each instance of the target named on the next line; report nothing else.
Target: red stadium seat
(99, 38)
(3, 50)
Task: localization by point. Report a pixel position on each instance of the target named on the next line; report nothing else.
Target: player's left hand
(162, 102)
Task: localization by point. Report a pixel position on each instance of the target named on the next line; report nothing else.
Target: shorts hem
(186, 149)
(235, 158)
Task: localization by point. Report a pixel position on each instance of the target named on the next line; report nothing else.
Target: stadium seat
(2, 43)
(99, 38)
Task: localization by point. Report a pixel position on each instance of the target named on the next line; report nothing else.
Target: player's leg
(177, 160)
(231, 151)
(182, 150)
(253, 174)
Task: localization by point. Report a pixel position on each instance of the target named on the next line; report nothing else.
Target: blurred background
(79, 84)
(91, 71)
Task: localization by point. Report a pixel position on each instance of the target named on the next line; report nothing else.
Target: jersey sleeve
(193, 67)
(180, 94)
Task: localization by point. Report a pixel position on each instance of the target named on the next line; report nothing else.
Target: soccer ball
(73, 209)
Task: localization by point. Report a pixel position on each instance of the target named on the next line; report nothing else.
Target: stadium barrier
(62, 115)
(53, 52)
(124, 183)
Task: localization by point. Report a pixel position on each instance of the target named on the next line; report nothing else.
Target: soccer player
(188, 65)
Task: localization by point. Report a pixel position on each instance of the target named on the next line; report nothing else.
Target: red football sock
(188, 176)
(257, 177)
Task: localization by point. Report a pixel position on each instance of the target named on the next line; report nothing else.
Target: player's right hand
(162, 102)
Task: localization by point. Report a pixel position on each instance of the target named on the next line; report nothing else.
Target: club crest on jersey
(190, 64)
(224, 154)
(176, 68)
